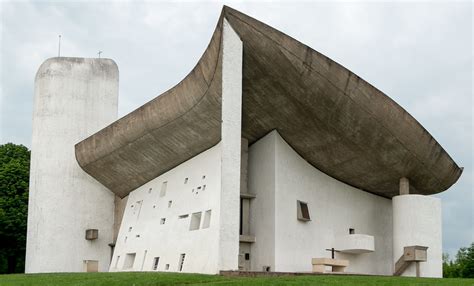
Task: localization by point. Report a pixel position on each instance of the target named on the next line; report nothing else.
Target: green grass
(141, 279)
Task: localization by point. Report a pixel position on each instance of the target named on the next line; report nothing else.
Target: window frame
(301, 205)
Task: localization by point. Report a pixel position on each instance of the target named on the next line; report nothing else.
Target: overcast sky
(420, 54)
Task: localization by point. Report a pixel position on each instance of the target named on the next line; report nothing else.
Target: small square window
(303, 211)
(203, 177)
(163, 220)
(130, 229)
(351, 231)
(129, 261)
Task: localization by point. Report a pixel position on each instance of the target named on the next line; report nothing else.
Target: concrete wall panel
(231, 148)
(417, 221)
(74, 98)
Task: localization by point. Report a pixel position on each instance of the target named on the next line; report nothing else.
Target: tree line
(14, 178)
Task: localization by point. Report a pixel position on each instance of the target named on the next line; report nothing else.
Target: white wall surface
(74, 98)
(231, 148)
(334, 208)
(168, 241)
(417, 221)
(261, 181)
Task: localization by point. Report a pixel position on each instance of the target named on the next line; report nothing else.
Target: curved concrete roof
(335, 120)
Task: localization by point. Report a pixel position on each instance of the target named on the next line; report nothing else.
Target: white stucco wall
(417, 221)
(261, 181)
(231, 148)
(334, 208)
(74, 98)
(168, 241)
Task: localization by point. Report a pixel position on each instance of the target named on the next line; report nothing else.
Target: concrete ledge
(247, 238)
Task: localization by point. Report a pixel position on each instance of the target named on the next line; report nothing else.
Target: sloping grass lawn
(149, 279)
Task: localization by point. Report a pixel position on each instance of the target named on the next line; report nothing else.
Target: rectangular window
(186, 180)
(181, 261)
(170, 203)
(129, 260)
(138, 208)
(163, 189)
(207, 219)
(143, 261)
(351, 231)
(163, 220)
(156, 260)
(167, 267)
(303, 211)
(117, 261)
(183, 216)
(195, 221)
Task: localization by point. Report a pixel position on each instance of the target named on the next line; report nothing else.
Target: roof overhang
(335, 120)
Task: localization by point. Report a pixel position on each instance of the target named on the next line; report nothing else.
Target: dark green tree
(14, 178)
(462, 266)
(465, 260)
(450, 269)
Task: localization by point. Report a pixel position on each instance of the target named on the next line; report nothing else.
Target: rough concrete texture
(74, 98)
(335, 120)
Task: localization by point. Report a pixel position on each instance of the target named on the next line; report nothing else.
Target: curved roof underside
(334, 119)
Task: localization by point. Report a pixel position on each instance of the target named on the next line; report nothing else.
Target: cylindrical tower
(74, 98)
(417, 221)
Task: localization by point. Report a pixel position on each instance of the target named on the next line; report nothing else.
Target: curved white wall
(74, 98)
(279, 177)
(417, 221)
